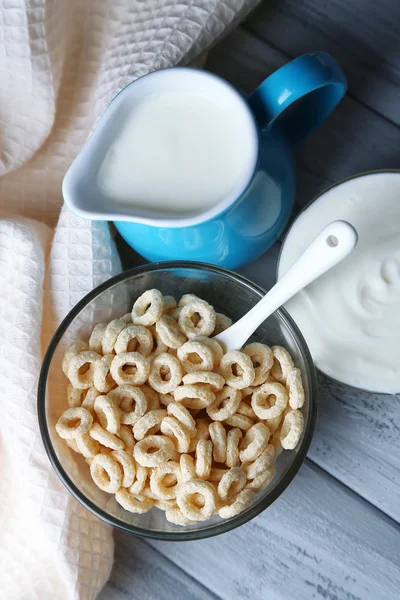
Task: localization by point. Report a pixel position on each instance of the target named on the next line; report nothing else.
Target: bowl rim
(225, 525)
(289, 229)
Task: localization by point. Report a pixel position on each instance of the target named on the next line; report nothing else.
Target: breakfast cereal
(164, 418)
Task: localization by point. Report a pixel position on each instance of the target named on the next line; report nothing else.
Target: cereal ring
(269, 401)
(173, 429)
(292, 428)
(127, 318)
(71, 443)
(175, 515)
(274, 423)
(153, 399)
(126, 397)
(237, 369)
(74, 396)
(134, 504)
(262, 359)
(111, 333)
(222, 322)
(206, 323)
(106, 473)
(232, 482)
(169, 332)
(148, 308)
(188, 467)
(74, 422)
(216, 474)
(73, 349)
(96, 338)
(247, 394)
(214, 346)
(232, 447)
(89, 399)
(158, 346)
(127, 465)
(196, 356)
(226, 404)
(176, 312)
(147, 422)
(239, 421)
(126, 435)
(283, 364)
(81, 369)
(169, 304)
(202, 433)
(254, 443)
(140, 481)
(134, 338)
(177, 410)
(166, 399)
(105, 450)
(204, 450)
(190, 504)
(262, 480)
(194, 396)
(102, 377)
(295, 389)
(164, 504)
(162, 445)
(275, 441)
(105, 438)
(187, 299)
(246, 410)
(263, 462)
(218, 438)
(86, 446)
(130, 367)
(107, 413)
(215, 381)
(165, 374)
(242, 501)
(158, 483)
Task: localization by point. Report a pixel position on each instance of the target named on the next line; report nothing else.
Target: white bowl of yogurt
(350, 317)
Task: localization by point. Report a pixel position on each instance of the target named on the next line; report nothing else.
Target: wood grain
(141, 573)
(318, 540)
(362, 35)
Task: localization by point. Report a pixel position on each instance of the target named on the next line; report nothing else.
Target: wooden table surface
(335, 532)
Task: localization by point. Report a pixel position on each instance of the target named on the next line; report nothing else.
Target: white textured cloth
(61, 62)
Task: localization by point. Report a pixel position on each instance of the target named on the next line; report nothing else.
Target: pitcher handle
(313, 82)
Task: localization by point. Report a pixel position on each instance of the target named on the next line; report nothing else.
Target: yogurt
(350, 317)
(179, 151)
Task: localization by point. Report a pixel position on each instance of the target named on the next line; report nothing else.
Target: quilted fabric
(61, 62)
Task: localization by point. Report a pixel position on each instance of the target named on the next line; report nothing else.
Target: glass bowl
(230, 294)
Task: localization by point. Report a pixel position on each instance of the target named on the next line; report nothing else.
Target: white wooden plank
(352, 140)
(318, 540)
(357, 437)
(362, 35)
(140, 572)
(358, 441)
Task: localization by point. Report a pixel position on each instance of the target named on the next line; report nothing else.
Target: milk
(178, 152)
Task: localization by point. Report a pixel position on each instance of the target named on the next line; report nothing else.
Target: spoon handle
(331, 246)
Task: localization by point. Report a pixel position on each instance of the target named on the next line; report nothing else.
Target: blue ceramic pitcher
(281, 113)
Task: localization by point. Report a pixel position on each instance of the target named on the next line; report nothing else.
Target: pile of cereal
(164, 418)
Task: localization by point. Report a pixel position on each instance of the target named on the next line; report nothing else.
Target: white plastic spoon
(331, 246)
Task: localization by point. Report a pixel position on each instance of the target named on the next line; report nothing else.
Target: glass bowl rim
(289, 229)
(225, 525)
